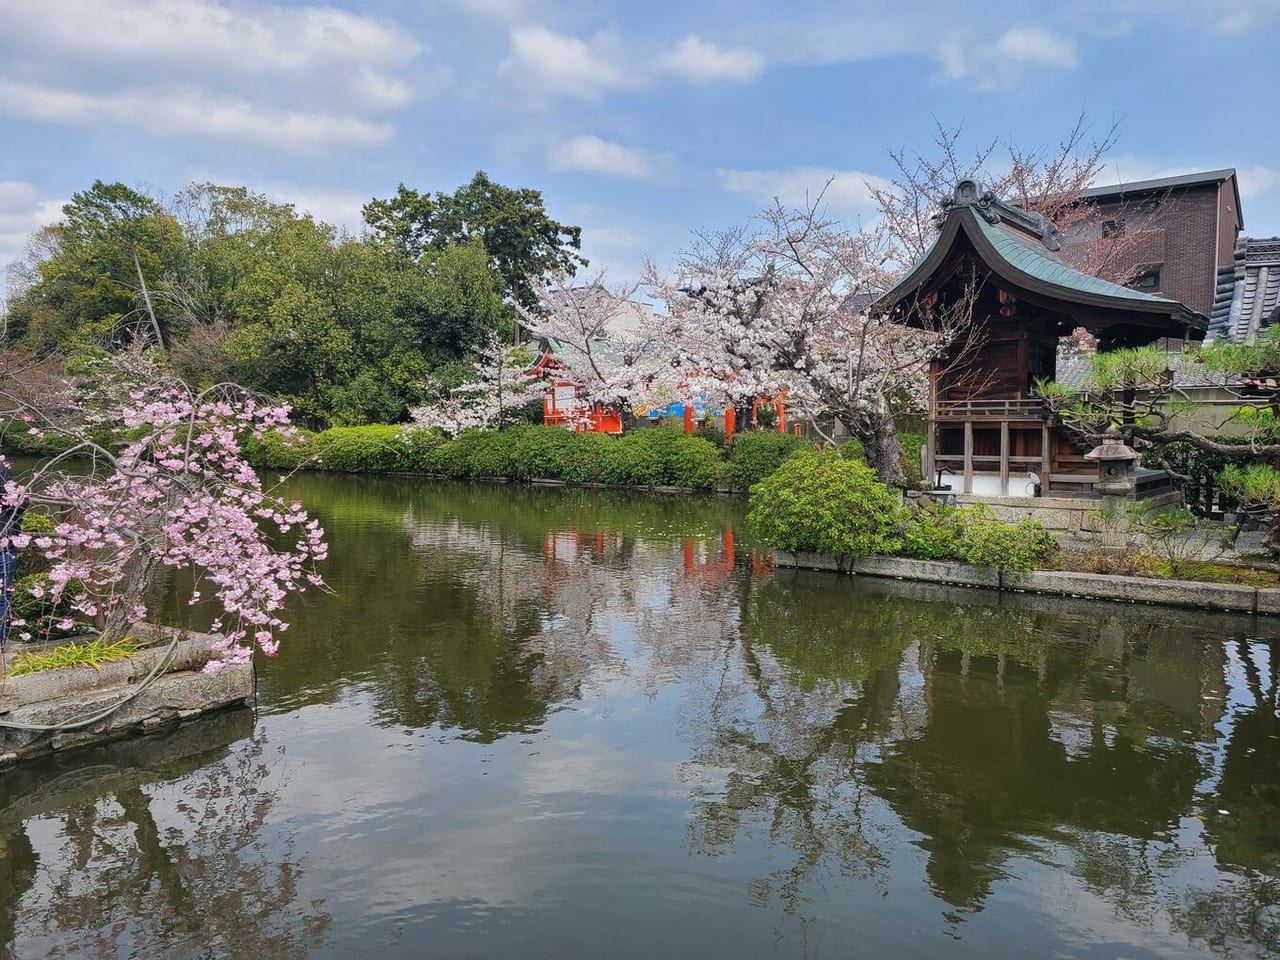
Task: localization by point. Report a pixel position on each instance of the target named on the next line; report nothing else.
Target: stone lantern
(1116, 464)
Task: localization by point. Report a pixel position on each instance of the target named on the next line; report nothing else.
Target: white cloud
(1036, 45)
(338, 208)
(193, 34)
(591, 154)
(1257, 180)
(849, 191)
(1001, 62)
(191, 112)
(22, 212)
(545, 62)
(255, 71)
(701, 62)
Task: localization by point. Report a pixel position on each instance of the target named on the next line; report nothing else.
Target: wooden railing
(996, 409)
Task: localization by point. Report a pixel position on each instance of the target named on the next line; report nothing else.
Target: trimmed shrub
(420, 448)
(822, 503)
(542, 453)
(653, 457)
(370, 449)
(694, 462)
(713, 434)
(973, 535)
(636, 458)
(852, 449)
(276, 452)
(988, 542)
(760, 452)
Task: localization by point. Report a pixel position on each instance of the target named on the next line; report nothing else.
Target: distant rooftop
(1248, 291)
(1160, 183)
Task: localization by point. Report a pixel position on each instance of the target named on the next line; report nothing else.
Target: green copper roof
(1035, 260)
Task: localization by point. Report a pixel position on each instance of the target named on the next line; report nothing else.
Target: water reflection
(159, 847)
(527, 719)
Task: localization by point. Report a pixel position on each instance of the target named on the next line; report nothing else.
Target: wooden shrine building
(987, 430)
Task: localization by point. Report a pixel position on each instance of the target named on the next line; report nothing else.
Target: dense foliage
(239, 288)
(646, 457)
(823, 503)
(974, 535)
(758, 454)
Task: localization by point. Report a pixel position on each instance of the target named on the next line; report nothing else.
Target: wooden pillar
(1004, 458)
(688, 416)
(1046, 459)
(1024, 365)
(730, 415)
(968, 456)
(930, 453)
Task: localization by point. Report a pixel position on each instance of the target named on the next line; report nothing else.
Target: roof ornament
(969, 193)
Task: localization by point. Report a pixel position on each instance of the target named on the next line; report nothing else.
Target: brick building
(1185, 230)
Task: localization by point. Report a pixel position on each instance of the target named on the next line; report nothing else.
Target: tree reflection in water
(836, 740)
(162, 850)
(995, 729)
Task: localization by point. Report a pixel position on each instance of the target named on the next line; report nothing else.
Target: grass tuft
(90, 653)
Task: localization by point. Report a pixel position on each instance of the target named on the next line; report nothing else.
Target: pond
(568, 723)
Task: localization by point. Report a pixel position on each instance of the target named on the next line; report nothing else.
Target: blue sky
(639, 121)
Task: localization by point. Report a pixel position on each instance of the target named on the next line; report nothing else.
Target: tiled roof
(1021, 247)
(1073, 372)
(1161, 183)
(1248, 291)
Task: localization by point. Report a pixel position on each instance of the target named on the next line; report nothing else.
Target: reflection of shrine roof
(1019, 247)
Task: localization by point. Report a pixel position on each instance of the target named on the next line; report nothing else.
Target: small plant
(819, 502)
(1257, 489)
(974, 535)
(91, 653)
(1182, 544)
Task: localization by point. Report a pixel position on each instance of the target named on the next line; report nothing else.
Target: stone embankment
(1193, 594)
(73, 706)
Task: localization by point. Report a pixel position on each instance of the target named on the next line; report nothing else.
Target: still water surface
(549, 723)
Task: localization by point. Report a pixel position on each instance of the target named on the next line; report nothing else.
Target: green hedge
(758, 453)
(648, 457)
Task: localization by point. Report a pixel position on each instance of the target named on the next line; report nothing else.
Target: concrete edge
(1234, 598)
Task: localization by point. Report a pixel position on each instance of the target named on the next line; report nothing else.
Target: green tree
(93, 277)
(518, 235)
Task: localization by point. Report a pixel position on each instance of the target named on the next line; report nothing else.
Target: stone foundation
(1235, 598)
(53, 697)
(1067, 517)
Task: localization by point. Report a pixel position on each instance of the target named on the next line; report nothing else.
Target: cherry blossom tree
(613, 363)
(782, 308)
(1050, 179)
(151, 476)
(493, 400)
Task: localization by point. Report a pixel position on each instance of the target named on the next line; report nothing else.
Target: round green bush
(821, 503)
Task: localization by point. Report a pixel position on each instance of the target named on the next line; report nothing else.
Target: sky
(640, 122)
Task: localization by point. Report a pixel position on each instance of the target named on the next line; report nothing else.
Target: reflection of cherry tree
(187, 868)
